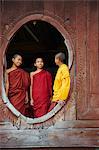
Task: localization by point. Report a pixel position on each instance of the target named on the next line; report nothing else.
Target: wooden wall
(81, 21)
(87, 56)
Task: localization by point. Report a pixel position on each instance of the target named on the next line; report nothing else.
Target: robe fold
(41, 92)
(19, 82)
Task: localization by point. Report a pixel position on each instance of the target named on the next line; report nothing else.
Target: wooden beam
(31, 33)
(50, 137)
(78, 124)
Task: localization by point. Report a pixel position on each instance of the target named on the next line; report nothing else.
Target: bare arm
(7, 84)
(31, 78)
(27, 97)
(27, 100)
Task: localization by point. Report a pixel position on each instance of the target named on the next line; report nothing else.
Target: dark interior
(36, 39)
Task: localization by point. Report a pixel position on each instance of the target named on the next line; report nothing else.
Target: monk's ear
(12, 59)
(35, 64)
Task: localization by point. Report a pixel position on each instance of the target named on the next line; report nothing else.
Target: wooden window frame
(60, 27)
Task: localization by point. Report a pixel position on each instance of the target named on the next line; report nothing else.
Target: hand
(27, 98)
(26, 101)
(61, 102)
(51, 98)
(31, 102)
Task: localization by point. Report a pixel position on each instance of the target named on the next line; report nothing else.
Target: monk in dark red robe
(17, 85)
(41, 89)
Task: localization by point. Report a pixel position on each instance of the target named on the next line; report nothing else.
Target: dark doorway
(37, 39)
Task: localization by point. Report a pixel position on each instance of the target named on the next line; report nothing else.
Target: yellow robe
(61, 84)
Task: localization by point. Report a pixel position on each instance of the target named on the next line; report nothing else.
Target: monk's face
(17, 61)
(57, 61)
(39, 63)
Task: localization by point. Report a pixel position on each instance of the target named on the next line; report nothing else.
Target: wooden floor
(51, 138)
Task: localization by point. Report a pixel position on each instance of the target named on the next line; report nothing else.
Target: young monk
(40, 89)
(62, 81)
(17, 84)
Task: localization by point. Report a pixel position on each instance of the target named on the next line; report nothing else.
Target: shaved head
(60, 56)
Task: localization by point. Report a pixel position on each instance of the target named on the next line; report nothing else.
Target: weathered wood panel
(93, 59)
(88, 60)
(93, 46)
(77, 124)
(81, 20)
(81, 73)
(49, 138)
(59, 9)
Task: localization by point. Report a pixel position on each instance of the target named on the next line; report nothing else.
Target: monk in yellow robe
(62, 81)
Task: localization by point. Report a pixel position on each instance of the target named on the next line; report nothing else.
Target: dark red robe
(41, 93)
(19, 82)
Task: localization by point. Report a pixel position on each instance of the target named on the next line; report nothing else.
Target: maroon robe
(41, 93)
(18, 85)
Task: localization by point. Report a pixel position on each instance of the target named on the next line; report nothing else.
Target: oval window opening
(35, 39)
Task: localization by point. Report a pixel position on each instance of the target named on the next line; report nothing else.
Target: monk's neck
(38, 70)
(14, 67)
(60, 64)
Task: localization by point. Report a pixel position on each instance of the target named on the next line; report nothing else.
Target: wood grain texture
(81, 21)
(81, 74)
(49, 138)
(88, 61)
